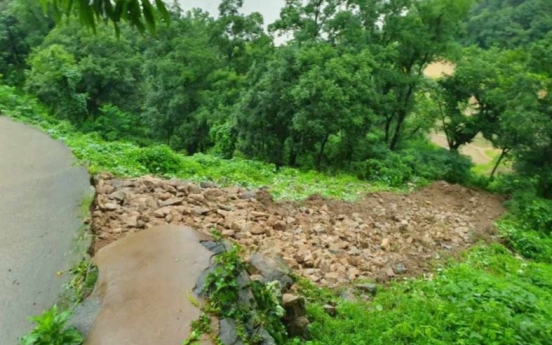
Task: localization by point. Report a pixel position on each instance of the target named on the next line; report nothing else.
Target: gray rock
(200, 288)
(330, 310)
(228, 332)
(248, 195)
(85, 314)
(199, 211)
(271, 269)
(266, 337)
(215, 247)
(400, 268)
(348, 296)
(194, 189)
(245, 296)
(369, 288)
(171, 201)
(207, 184)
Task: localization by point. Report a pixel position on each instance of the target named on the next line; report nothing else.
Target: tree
(508, 24)
(472, 98)
(54, 77)
(306, 96)
(22, 26)
(178, 64)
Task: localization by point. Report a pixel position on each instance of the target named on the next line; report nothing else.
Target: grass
(127, 159)
(490, 297)
(486, 169)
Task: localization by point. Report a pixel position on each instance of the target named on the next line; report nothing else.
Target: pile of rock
(330, 242)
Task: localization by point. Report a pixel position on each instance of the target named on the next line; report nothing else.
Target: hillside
(321, 150)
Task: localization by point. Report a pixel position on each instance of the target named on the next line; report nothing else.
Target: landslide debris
(331, 242)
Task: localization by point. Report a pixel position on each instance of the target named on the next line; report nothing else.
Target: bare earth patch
(331, 242)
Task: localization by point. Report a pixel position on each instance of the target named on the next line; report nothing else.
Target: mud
(145, 285)
(381, 236)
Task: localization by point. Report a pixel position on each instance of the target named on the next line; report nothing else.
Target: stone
(110, 206)
(171, 201)
(294, 306)
(207, 184)
(399, 268)
(330, 310)
(319, 229)
(385, 244)
(228, 333)
(348, 296)
(367, 287)
(248, 195)
(118, 195)
(272, 269)
(199, 211)
(299, 327)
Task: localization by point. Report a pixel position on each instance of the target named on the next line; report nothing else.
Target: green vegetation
(508, 23)
(340, 109)
(51, 330)
(130, 159)
(224, 288)
(491, 297)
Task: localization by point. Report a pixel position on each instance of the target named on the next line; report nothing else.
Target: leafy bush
(439, 164)
(51, 330)
(533, 212)
(491, 297)
(531, 244)
(425, 162)
(114, 124)
(160, 160)
(393, 170)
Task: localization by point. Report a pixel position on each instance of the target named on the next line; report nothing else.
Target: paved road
(40, 193)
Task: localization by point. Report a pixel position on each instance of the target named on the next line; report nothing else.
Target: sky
(270, 9)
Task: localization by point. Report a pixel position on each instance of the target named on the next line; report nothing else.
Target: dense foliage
(342, 99)
(508, 23)
(346, 92)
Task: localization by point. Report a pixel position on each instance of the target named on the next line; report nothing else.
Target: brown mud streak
(380, 236)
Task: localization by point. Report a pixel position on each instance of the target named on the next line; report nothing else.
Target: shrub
(427, 162)
(530, 244)
(392, 171)
(114, 124)
(533, 212)
(160, 160)
(51, 330)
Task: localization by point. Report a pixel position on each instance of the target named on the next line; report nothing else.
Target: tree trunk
(321, 152)
(397, 134)
(502, 155)
(387, 129)
(292, 161)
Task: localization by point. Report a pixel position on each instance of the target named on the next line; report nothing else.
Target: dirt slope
(380, 236)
